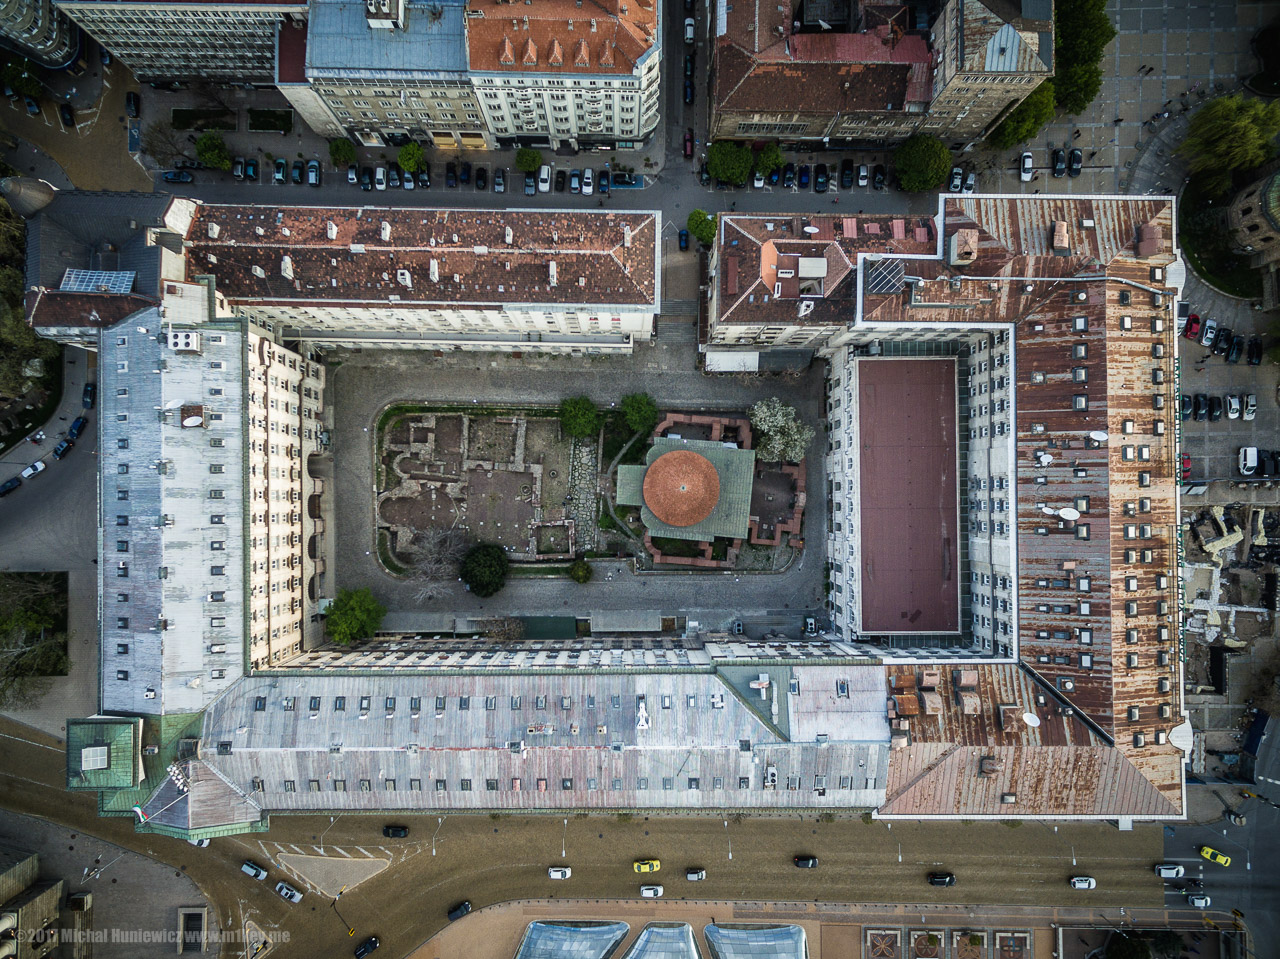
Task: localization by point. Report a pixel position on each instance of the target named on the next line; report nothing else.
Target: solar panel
(97, 281)
(886, 277)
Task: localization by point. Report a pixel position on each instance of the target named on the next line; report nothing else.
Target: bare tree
(163, 143)
(434, 557)
(215, 97)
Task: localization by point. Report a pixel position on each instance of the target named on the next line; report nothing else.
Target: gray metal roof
(571, 940)
(340, 42)
(664, 940)
(740, 941)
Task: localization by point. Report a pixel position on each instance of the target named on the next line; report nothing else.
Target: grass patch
(720, 549)
(605, 521)
(676, 547)
(33, 419)
(1207, 246)
(384, 554)
(616, 435)
(270, 121)
(537, 569)
(201, 120)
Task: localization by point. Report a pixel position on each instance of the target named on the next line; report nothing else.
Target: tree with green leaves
(729, 161)
(353, 616)
(484, 569)
(1082, 31)
(342, 152)
(411, 157)
(1026, 119)
(33, 641)
(770, 159)
(211, 150)
(19, 345)
(1230, 134)
(702, 225)
(640, 412)
(779, 436)
(922, 161)
(580, 571)
(528, 160)
(15, 74)
(579, 417)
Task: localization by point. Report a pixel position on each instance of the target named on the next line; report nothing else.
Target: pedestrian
(1199, 369)
(1165, 115)
(1118, 120)
(1076, 135)
(1092, 154)
(63, 418)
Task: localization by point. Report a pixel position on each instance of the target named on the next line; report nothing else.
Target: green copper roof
(732, 512)
(104, 753)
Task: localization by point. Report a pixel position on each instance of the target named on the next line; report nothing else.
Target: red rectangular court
(907, 430)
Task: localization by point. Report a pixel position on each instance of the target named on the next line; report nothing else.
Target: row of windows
(566, 784)
(464, 703)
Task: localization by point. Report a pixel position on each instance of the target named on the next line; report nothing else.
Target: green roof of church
(732, 512)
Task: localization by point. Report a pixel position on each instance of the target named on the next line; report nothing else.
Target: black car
(67, 115)
(1201, 406)
(820, 178)
(90, 394)
(393, 176)
(1075, 160)
(1222, 342)
(1059, 162)
(458, 911)
(366, 178)
(62, 449)
(424, 176)
(366, 947)
(1215, 409)
(77, 427)
(878, 176)
(684, 239)
(177, 176)
(132, 104)
(942, 879)
(530, 184)
(482, 178)
(395, 832)
(9, 485)
(1186, 407)
(803, 178)
(788, 175)
(688, 90)
(296, 174)
(561, 179)
(704, 175)
(1255, 351)
(33, 106)
(846, 174)
(775, 175)
(688, 64)
(806, 862)
(1236, 350)
(464, 176)
(451, 174)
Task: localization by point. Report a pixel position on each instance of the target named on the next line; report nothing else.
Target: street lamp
(562, 838)
(351, 930)
(1248, 864)
(727, 838)
(332, 820)
(439, 823)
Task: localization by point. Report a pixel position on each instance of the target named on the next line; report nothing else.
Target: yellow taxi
(1214, 856)
(647, 865)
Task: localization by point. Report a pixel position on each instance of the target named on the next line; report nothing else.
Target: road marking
(29, 742)
(366, 852)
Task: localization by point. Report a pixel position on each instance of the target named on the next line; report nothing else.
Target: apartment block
(40, 32)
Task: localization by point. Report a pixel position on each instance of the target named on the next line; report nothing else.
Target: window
(122, 649)
(217, 570)
(290, 786)
(122, 444)
(215, 468)
(315, 704)
(122, 674)
(339, 704)
(122, 622)
(218, 544)
(217, 519)
(1082, 531)
(1080, 324)
(339, 785)
(1080, 401)
(122, 546)
(122, 495)
(1079, 374)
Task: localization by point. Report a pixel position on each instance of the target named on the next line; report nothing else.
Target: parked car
(684, 240)
(602, 183)
(9, 485)
(1222, 342)
(1185, 406)
(462, 908)
(451, 174)
(366, 947)
(970, 183)
(689, 27)
(803, 179)
(251, 169)
(774, 176)
(575, 181)
(688, 90)
(499, 180)
(353, 174)
(1233, 406)
(1186, 467)
(846, 174)
(561, 179)
(942, 879)
(237, 168)
(395, 832)
(957, 179)
(1250, 407)
(251, 868)
(366, 178)
(788, 175)
(647, 865)
(1215, 408)
(878, 176)
(296, 172)
(810, 626)
(559, 872)
(393, 176)
(62, 449)
(1026, 169)
(482, 178)
(34, 469)
(313, 173)
(1210, 332)
(1201, 406)
(588, 182)
(132, 104)
(1255, 351)
(820, 178)
(32, 105)
(688, 64)
(424, 176)
(1075, 161)
(1236, 350)
(1192, 330)
(77, 427)
(380, 178)
(1198, 900)
(286, 891)
(281, 170)
(1084, 882)
(1247, 461)
(757, 181)
(464, 173)
(177, 176)
(805, 862)
(688, 144)
(651, 892)
(693, 874)
(409, 182)
(1208, 852)
(530, 184)
(1059, 161)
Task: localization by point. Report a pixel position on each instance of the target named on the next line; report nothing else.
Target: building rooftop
(417, 257)
(1005, 36)
(691, 489)
(340, 43)
(560, 36)
(104, 753)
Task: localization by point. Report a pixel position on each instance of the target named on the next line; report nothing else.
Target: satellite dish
(1048, 511)
(193, 421)
(1069, 512)
(1046, 459)
(173, 404)
(811, 229)
(1100, 436)
(1031, 719)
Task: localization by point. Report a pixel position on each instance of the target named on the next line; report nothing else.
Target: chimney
(386, 232)
(553, 273)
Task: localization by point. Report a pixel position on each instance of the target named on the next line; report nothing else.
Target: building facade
(201, 40)
(39, 31)
(1254, 221)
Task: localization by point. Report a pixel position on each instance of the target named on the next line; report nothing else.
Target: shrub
(580, 571)
(342, 152)
(579, 417)
(528, 160)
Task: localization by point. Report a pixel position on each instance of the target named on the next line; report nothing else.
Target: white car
(651, 892)
(544, 179)
(757, 182)
(287, 891)
(1250, 406)
(971, 183)
(1248, 460)
(1233, 406)
(380, 178)
(1198, 901)
(1084, 882)
(1027, 170)
(688, 30)
(588, 184)
(33, 469)
(956, 182)
(863, 176)
(251, 868)
(695, 875)
(198, 843)
(559, 872)
(1170, 870)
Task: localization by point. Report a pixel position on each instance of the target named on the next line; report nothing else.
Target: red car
(1186, 467)
(1192, 332)
(688, 144)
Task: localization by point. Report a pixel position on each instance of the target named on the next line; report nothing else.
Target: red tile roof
(606, 36)
(58, 308)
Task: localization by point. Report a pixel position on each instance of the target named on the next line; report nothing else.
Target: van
(251, 868)
(458, 911)
(1248, 460)
(544, 179)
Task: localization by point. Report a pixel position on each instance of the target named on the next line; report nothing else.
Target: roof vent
(331, 230)
(1008, 799)
(260, 231)
(1081, 296)
(386, 231)
(1028, 288)
(434, 271)
(214, 230)
(553, 273)
(509, 236)
(259, 272)
(403, 277)
(989, 765)
(626, 236)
